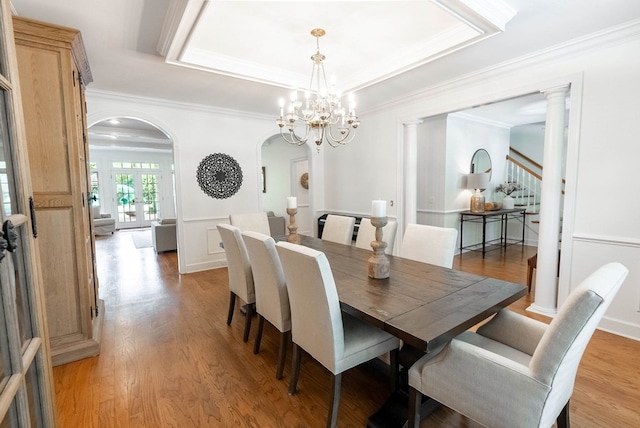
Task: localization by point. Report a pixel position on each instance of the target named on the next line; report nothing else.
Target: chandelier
(321, 115)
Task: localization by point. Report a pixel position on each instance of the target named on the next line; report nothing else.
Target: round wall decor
(304, 180)
(219, 176)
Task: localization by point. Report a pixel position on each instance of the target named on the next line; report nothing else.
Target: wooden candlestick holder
(293, 236)
(378, 262)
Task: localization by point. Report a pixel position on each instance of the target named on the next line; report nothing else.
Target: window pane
(33, 396)
(22, 298)
(95, 191)
(8, 190)
(5, 366)
(150, 196)
(125, 192)
(11, 418)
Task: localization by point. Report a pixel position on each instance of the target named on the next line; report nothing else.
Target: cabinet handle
(32, 211)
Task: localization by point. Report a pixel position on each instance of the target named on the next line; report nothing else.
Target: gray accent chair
(515, 371)
(163, 235)
(240, 274)
(338, 228)
(335, 339)
(429, 244)
(272, 300)
(103, 224)
(367, 233)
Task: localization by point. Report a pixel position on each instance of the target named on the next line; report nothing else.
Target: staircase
(528, 174)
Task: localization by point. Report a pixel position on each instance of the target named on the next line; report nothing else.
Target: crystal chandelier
(321, 116)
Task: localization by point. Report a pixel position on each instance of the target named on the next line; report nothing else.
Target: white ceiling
(256, 48)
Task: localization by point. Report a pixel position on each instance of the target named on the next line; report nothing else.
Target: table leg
(484, 234)
(523, 220)
(506, 226)
(461, 231)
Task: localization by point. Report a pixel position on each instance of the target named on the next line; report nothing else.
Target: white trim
(162, 102)
(576, 47)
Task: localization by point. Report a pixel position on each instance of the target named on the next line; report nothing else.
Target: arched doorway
(287, 172)
(131, 163)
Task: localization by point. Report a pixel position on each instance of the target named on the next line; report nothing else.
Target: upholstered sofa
(163, 235)
(103, 224)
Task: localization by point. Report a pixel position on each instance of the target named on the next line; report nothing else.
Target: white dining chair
(240, 274)
(255, 222)
(516, 371)
(272, 300)
(367, 233)
(429, 244)
(338, 228)
(335, 339)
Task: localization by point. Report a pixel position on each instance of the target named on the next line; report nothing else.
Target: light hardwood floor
(169, 360)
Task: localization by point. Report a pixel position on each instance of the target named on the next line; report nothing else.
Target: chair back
(367, 233)
(338, 228)
(316, 318)
(429, 244)
(240, 275)
(255, 222)
(558, 354)
(272, 300)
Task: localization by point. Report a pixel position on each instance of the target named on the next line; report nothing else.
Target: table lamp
(478, 182)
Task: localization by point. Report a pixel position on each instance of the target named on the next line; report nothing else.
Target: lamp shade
(479, 180)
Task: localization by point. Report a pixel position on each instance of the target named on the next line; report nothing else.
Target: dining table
(424, 305)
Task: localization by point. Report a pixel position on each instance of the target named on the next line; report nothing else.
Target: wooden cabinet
(53, 71)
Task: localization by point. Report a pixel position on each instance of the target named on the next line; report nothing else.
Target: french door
(137, 198)
(26, 391)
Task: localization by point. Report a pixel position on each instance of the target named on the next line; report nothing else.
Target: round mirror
(481, 162)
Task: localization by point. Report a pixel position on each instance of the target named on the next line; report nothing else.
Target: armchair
(103, 224)
(515, 371)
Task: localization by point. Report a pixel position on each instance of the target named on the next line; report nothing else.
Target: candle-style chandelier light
(321, 115)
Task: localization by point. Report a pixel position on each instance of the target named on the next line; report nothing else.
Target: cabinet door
(54, 113)
(26, 392)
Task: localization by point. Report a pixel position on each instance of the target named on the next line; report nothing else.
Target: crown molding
(604, 39)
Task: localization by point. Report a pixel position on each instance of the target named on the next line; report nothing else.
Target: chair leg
(336, 381)
(563, 417)
(295, 372)
(256, 346)
(282, 353)
(232, 305)
(393, 369)
(415, 401)
(247, 322)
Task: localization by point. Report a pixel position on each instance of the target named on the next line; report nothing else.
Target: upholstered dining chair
(367, 233)
(429, 244)
(515, 371)
(240, 274)
(255, 222)
(338, 228)
(335, 339)
(272, 300)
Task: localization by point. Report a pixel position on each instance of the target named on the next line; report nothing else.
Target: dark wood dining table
(422, 304)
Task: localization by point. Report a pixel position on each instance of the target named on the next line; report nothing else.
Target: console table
(501, 216)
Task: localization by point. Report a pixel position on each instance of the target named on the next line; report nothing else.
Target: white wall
(198, 131)
(600, 217)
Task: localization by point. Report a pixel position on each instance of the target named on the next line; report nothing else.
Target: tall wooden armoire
(53, 71)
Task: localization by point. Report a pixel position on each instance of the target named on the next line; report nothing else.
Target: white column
(546, 289)
(411, 171)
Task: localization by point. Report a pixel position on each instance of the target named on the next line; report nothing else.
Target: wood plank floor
(168, 358)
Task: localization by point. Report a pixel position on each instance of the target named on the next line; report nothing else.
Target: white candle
(379, 208)
(292, 202)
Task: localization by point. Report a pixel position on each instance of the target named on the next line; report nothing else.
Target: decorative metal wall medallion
(219, 176)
